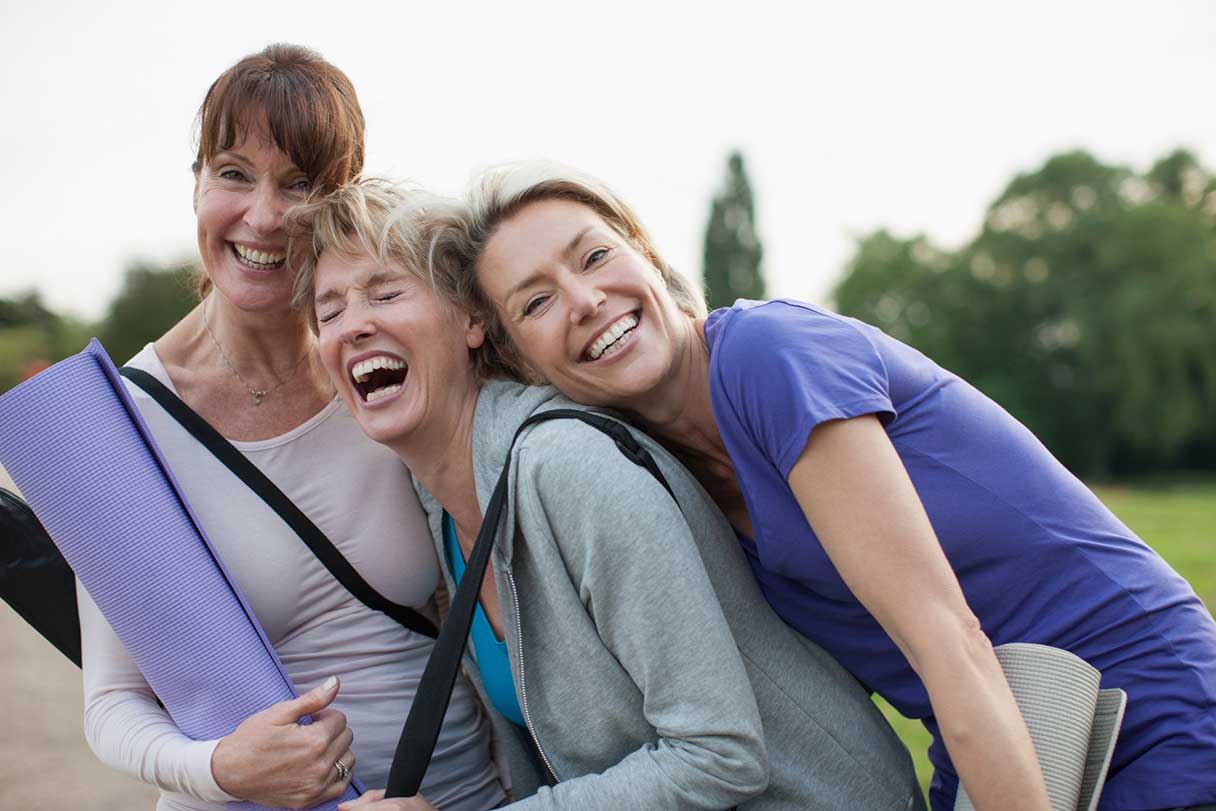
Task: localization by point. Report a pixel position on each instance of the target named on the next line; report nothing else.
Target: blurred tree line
(1086, 306)
(151, 300)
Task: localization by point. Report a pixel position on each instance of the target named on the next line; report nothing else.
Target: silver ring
(343, 769)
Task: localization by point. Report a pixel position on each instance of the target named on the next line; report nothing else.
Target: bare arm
(860, 502)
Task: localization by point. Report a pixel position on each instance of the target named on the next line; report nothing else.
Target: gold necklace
(257, 395)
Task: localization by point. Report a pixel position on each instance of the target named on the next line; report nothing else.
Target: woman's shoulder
(149, 361)
(779, 368)
(759, 328)
(757, 345)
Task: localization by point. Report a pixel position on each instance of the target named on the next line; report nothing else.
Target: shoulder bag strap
(286, 509)
(421, 730)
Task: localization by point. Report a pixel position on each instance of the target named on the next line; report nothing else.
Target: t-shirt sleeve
(780, 369)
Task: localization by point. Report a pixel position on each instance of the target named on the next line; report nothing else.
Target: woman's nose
(265, 211)
(584, 299)
(357, 323)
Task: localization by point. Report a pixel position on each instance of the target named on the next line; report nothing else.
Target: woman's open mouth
(258, 260)
(378, 377)
(613, 338)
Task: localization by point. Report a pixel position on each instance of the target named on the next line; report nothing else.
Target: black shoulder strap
(421, 730)
(286, 509)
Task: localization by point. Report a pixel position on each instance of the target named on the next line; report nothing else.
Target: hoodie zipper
(523, 693)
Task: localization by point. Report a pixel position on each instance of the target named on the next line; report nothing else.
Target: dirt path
(44, 760)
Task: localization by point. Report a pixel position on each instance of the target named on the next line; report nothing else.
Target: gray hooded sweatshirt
(650, 670)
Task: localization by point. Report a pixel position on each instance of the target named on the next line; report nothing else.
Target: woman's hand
(272, 760)
(860, 501)
(374, 801)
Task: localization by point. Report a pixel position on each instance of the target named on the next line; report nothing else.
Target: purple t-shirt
(1040, 559)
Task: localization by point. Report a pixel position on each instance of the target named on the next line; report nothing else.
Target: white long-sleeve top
(360, 496)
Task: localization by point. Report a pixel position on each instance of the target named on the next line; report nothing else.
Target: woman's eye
(232, 174)
(534, 304)
(325, 318)
(303, 186)
(387, 296)
(596, 256)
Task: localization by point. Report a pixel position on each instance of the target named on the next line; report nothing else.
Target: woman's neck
(251, 375)
(678, 411)
(440, 456)
(260, 345)
(680, 415)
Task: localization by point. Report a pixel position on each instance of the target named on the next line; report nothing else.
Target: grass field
(1178, 519)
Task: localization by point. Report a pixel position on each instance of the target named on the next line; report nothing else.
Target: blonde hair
(459, 236)
(393, 224)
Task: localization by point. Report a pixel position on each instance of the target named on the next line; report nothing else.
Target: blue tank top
(491, 653)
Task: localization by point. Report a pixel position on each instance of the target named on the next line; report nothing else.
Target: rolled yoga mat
(74, 442)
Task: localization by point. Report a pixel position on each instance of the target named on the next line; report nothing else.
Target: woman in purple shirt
(891, 512)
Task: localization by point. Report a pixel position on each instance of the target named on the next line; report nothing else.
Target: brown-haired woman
(277, 126)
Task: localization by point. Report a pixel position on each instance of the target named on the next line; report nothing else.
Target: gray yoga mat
(1073, 724)
(75, 444)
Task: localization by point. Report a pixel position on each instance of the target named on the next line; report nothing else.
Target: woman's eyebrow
(230, 155)
(572, 244)
(533, 278)
(327, 295)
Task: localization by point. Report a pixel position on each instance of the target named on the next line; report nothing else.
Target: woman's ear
(474, 332)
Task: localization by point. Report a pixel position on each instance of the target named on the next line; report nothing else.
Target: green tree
(1086, 306)
(151, 300)
(733, 251)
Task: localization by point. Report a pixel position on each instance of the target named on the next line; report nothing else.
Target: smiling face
(240, 198)
(396, 352)
(588, 311)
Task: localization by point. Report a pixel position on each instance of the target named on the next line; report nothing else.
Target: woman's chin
(388, 421)
(255, 291)
(615, 384)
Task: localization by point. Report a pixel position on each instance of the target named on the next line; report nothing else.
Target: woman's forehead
(544, 230)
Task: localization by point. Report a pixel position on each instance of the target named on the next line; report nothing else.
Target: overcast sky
(851, 115)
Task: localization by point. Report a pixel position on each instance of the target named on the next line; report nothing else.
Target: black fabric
(286, 509)
(421, 731)
(35, 579)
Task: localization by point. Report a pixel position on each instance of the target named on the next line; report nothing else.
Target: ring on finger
(343, 769)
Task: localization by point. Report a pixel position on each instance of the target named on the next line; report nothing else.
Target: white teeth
(258, 257)
(365, 367)
(611, 335)
(373, 396)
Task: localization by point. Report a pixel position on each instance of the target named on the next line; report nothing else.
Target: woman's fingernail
(330, 683)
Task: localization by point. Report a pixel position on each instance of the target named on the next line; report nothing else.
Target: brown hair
(309, 106)
(459, 238)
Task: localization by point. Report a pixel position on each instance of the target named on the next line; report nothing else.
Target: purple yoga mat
(77, 447)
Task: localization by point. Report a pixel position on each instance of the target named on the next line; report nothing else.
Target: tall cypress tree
(732, 249)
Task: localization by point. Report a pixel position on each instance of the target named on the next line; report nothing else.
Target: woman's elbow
(955, 643)
(739, 769)
(113, 719)
(754, 776)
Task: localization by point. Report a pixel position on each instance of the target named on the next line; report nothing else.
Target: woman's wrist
(209, 778)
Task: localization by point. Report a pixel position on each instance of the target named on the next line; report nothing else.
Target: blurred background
(1024, 192)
